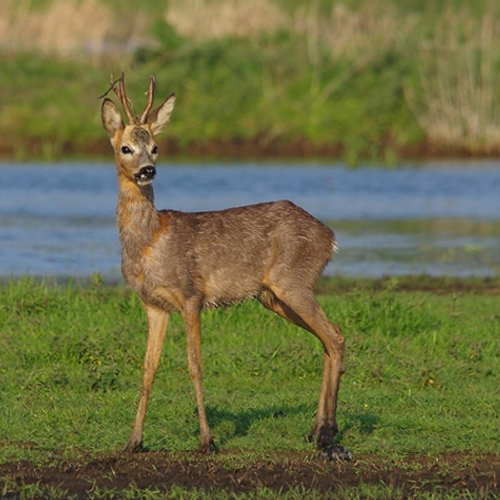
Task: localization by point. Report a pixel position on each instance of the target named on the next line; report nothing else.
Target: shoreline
(247, 149)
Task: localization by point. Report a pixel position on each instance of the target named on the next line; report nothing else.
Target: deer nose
(145, 175)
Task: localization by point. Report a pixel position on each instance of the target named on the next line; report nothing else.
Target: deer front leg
(192, 321)
(157, 327)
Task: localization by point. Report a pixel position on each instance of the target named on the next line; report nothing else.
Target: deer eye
(126, 150)
(155, 150)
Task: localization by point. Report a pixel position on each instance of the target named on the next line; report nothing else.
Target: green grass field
(422, 378)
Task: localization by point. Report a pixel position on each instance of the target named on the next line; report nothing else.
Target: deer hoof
(133, 447)
(208, 447)
(337, 453)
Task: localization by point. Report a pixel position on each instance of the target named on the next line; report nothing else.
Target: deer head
(136, 151)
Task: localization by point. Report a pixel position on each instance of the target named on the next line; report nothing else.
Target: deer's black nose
(145, 175)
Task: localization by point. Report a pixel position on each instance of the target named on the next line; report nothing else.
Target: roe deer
(176, 261)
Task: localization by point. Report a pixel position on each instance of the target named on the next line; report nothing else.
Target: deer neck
(137, 218)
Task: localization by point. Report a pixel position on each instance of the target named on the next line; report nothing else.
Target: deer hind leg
(157, 327)
(191, 314)
(303, 309)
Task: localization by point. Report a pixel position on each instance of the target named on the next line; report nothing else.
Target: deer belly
(223, 289)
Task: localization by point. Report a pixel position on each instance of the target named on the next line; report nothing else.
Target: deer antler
(122, 95)
(151, 96)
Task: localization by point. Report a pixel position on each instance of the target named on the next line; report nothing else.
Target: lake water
(439, 218)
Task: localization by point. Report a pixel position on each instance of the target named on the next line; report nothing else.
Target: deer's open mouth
(145, 175)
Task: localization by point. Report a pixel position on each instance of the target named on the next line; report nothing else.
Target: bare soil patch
(280, 472)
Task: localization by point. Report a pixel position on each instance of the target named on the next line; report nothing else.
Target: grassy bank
(356, 80)
(422, 381)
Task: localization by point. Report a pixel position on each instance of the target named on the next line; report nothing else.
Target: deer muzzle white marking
(145, 175)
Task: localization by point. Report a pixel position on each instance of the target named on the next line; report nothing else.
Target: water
(440, 218)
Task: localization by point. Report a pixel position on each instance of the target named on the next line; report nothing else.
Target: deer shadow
(238, 423)
(365, 422)
(229, 425)
(242, 420)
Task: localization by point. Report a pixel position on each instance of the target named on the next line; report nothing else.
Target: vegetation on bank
(355, 79)
(421, 379)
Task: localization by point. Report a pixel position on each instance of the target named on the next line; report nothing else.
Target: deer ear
(161, 115)
(111, 118)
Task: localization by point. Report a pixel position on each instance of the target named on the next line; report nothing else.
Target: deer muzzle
(145, 175)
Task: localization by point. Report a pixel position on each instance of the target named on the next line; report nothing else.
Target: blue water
(437, 218)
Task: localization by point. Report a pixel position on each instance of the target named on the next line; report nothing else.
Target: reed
(202, 20)
(69, 29)
(347, 33)
(458, 68)
(351, 40)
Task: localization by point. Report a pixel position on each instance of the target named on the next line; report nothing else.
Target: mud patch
(278, 472)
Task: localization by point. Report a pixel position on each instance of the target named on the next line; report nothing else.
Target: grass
(422, 377)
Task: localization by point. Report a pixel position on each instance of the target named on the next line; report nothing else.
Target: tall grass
(459, 69)
(202, 20)
(70, 29)
(359, 77)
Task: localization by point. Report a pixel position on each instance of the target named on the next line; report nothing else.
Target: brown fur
(183, 262)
